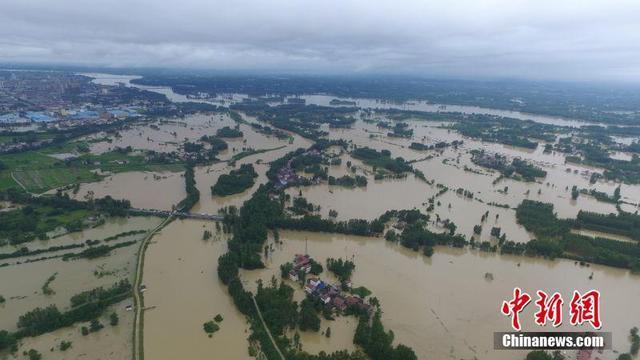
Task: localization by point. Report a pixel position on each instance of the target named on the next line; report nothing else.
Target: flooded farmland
(426, 320)
(184, 293)
(23, 279)
(446, 306)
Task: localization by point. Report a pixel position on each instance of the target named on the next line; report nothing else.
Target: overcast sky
(539, 39)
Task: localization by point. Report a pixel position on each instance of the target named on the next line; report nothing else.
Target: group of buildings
(72, 115)
(287, 174)
(332, 295)
(328, 294)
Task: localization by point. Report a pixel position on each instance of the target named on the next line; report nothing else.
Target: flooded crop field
(351, 187)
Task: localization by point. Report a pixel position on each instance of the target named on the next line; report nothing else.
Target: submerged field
(442, 305)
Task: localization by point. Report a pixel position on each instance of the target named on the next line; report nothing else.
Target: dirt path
(138, 299)
(267, 328)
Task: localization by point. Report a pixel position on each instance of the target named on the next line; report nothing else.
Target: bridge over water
(182, 214)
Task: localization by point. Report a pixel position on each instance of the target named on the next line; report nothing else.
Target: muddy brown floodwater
(184, 292)
(145, 190)
(443, 306)
(21, 284)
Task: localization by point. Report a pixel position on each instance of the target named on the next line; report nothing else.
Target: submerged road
(138, 299)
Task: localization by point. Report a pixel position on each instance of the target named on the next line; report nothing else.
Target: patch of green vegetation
(64, 345)
(37, 172)
(86, 306)
(228, 132)
(46, 288)
(554, 238)
(361, 291)
(210, 327)
(625, 224)
(113, 319)
(30, 222)
(244, 154)
(34, 355)
(94, 252)
(236, 181)
(540, 219)
(341, 268)
(381, 159)
(348, 181)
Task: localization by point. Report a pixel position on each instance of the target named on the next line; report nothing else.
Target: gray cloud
(543, 39)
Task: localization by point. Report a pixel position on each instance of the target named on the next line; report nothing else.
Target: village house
(300, 262)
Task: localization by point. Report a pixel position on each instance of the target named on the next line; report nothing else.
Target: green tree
(309, 319)
(34, 355)
(113, 319)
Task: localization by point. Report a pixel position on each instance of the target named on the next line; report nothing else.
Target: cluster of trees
(411, 216)
(341, 268)
(268, 130)
(216, 143)
(93, 252)
(317, 171)
(301, 206)
(540, 219)
(236, 181)
(46, 213)
(229, 132)
(416, 236)
(401, 129)
(596, 154)
(249, 227)
(24, 251)
(306, 160)
(555, 239)
(626, 224)
(381, 159)
(101, 294)
(278, 309)
(191, 147)
(518, 168)
(316, 223)
(598, 195)
(378, 343)
(526, 170)
(603, 251)
(349, 181)
(309, 319)
(210, 327)
(84, 307)
(438, 145)
(305, 120)
(503, 130)
(193, 194)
